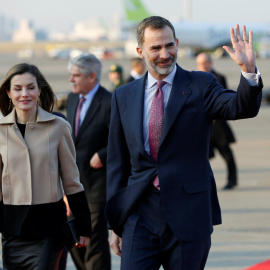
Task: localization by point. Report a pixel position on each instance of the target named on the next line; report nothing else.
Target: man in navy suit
(161, 195)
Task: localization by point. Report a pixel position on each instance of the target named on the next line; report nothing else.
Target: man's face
(159, 51)
(203, 63)
(114, 76)
(81, 84)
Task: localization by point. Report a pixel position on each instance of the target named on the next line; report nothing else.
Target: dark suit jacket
(92, 137)
(188, 188)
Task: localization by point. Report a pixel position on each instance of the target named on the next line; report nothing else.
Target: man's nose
(164, 54)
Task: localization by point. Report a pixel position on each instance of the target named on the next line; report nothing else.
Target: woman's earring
(10, 103)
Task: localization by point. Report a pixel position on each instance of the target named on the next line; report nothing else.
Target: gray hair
(87, 63)
(154, 22)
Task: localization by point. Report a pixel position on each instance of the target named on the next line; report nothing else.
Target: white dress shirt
(88, 100)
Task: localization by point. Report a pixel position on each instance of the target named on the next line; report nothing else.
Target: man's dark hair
(154, 22)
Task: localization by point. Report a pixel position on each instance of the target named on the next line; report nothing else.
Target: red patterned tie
(77, 117)
(155, 124)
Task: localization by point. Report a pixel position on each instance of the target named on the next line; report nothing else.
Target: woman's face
(24, 92)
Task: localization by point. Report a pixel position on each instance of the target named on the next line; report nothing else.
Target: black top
(21, 128)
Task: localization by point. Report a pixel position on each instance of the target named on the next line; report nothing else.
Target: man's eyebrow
(154, 46)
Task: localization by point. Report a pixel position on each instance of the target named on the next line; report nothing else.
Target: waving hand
(243, 52)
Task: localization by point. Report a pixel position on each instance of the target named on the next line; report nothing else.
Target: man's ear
(177, 43)
(92, 76)
(140, 52)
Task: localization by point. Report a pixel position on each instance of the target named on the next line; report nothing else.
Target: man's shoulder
(192, 75)
(72, 96)
(199, 75)
(105, 92)
(105, 95)
(130, 86)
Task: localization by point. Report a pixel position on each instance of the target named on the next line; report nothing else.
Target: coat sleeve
(227, 104)
(70, 178)
(67, 160)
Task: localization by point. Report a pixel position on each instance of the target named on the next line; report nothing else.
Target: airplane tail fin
(135, 10)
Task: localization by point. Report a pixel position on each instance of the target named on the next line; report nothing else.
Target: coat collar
(42, 116)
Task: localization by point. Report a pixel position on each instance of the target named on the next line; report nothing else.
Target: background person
(37, 164)
(137, 69)
(116, 76)
(161, 194)
(88, 112)
(221, 135)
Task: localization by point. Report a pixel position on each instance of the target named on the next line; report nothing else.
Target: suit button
(31, 126)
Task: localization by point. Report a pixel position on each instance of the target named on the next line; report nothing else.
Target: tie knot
(82, 99)
(160, 84)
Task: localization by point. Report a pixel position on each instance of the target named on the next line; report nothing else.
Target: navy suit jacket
(187, 183)
(92, 138)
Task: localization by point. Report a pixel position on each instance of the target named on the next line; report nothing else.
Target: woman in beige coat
(37, 159)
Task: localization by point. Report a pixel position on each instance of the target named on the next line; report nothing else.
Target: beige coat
(31, 167)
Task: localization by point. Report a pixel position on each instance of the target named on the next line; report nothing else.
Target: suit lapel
(93, 108)
(179, 95)
(135, 109)
(72, 108)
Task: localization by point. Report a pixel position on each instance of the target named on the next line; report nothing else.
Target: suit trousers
(23, 253)
(96, 256)
(148, 242)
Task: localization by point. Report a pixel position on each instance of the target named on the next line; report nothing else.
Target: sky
(60, 15)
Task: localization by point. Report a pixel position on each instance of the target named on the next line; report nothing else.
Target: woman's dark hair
(46, 98)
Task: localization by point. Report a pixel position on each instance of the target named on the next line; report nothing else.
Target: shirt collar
(91, 93)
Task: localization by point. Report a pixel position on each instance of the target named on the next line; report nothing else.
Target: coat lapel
(179, 95)
(135, 105)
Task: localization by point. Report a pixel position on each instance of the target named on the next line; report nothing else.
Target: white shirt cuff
(252, 78)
